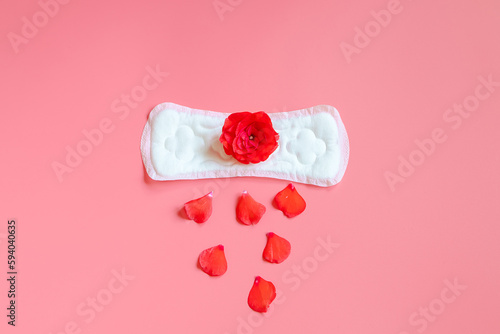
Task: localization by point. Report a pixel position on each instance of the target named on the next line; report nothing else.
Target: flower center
(251, 137)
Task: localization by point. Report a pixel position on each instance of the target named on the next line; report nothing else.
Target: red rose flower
(249, 137)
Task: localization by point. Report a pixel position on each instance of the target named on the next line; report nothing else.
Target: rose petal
(290, 202)
(261, 295)
(277, 248)
(248, 210)
(199, 209)
(213, 261)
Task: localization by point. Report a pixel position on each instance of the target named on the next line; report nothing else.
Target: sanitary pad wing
(183, 143)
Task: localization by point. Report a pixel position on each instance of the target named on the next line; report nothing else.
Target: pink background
(398, 246)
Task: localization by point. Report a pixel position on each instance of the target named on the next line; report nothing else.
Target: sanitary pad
(183, 143)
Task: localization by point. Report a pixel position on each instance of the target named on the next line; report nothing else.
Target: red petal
(244, 123)
(232, 121)
(239, 146)
(277, 249)
(213, 261)
(199, 209)
(248, 210)
(290, 202)
(261, 295)
(261, 116)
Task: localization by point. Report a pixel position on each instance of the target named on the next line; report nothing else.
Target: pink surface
(414, 250)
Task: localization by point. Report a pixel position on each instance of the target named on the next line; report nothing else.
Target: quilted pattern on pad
(183, 143)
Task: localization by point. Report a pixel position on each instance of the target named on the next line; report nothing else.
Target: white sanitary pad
(183, 143)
